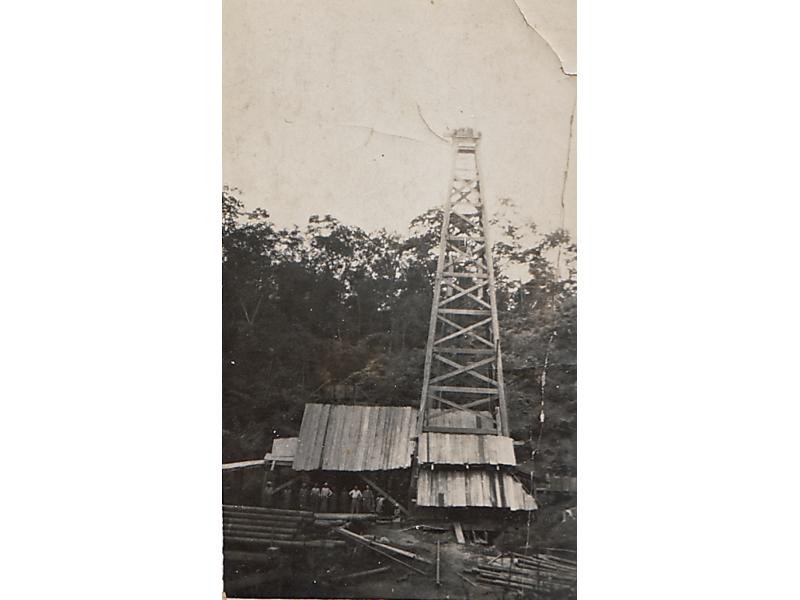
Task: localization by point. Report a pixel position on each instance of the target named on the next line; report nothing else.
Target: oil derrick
(462, 390)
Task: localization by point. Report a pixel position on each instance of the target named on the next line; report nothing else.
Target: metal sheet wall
(466, 449)
(472, 488)
(355, 438)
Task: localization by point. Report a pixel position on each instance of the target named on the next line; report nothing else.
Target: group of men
(323, 498)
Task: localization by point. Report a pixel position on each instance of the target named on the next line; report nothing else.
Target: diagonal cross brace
(464, 369)
(464, 330)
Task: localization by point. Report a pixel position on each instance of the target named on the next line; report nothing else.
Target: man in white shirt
(355, 500)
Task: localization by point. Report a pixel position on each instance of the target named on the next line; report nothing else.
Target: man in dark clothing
(344, 499)
(302, 497)
(267, 499)
(286, 497)
(369, 500)
(332, 504)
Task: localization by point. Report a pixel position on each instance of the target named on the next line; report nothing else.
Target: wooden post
(501, 400)
(380, 490)
(284, 484)
(438, 567)
(423, 404)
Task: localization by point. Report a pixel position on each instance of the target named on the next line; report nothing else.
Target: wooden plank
(392, 422)
(464, 311)
(359, 461)
(289, 543)
(469, 369)
(437, 288)
(423, 451)
(480, 489)
(365, 543)
(329, 453)
(343, 443)
(470, 238)
(453, 350)
(398, 444)
(502, 498)
(322, 433)
(494, 490)
(309, 433)
(465, 274)
(462, 389)
(471, 295)
(305, 439)
(467, 330)
(369, 572)
(366, 438)
(386, 443)
(472, 430)
(379, 489)
(373, 457)
(462, 292)
(405, 446)
(353, 435)
(459, 532)
(243, 464)
(457, 489)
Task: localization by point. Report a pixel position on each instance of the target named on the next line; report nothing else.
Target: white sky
(321, 104)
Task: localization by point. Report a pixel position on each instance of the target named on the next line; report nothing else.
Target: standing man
(324, 497)
(332, 505)
(267, 499)
(315, 498)
(379, 506)
(302, 496)
(355, 500)
(344, 499)
(286, 497)
(369, 500)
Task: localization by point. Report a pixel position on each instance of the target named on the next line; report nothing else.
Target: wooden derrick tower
(462, 390)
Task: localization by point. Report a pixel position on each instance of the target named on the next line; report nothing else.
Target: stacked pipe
(540, 571)
(268, 526)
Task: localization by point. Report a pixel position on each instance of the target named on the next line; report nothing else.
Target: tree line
(307, 309)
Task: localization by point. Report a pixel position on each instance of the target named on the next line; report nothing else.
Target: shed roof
(472, 488)
(466, 449)
(355, 438)
(283, 450)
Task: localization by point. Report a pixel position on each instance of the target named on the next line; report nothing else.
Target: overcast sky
(322, 103)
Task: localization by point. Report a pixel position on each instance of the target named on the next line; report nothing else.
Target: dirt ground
(308, 575)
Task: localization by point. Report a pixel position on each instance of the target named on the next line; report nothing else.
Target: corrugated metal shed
(466, 449)
(355, 438)
(472, 488)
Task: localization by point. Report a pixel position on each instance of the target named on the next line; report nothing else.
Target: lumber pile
(536, 572)
(258, 526)
(396, 555)
(343, 517)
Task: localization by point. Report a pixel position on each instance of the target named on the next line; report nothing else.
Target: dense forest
(332, 307)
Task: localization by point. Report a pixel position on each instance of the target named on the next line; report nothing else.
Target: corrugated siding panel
(466, 449)
(306, 438)
(459, 418)
(475, 488)
(355, 438)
